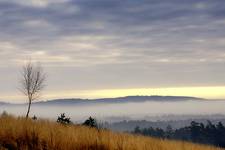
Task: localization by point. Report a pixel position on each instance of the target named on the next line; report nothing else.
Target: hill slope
(127, 99)
(39, 135)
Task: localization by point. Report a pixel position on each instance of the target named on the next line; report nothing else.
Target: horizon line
(93, 99)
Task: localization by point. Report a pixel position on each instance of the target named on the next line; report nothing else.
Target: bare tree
(32, 83)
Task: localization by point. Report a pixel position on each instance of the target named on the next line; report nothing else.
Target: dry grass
(22, 134)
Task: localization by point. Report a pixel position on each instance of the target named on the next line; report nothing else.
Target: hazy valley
(156, 110)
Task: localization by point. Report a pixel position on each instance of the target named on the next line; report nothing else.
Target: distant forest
(210, 133)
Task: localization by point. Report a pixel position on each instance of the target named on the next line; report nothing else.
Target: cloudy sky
(109, 48)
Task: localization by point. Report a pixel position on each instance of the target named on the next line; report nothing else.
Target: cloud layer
(118, 43)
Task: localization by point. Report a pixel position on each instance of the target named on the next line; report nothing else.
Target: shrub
(34, 118)
(91, 122)
(63, 119)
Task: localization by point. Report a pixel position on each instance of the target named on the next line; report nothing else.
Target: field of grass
(22, 134)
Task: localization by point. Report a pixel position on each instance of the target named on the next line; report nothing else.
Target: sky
(110, 48)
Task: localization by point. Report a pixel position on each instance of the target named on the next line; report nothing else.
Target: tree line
(209, 133)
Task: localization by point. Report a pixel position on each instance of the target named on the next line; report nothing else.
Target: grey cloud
(120, 38)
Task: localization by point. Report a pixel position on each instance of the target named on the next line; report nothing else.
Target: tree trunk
(28, 110)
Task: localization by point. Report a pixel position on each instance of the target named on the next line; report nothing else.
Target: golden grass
(22, 134)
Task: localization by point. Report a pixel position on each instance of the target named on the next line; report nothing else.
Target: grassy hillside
(22, 134)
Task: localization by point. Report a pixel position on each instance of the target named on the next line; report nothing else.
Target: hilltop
(126, 99)
(117, 100)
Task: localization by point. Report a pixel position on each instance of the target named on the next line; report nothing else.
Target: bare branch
(32, 82)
